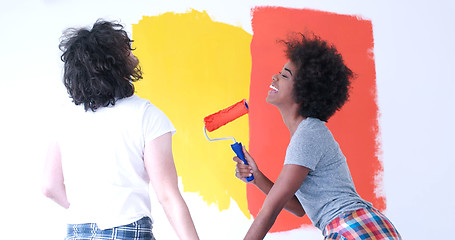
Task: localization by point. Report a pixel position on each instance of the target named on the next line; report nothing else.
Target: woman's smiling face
(280, 92)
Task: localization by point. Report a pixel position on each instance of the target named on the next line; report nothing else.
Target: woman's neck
(291, 118)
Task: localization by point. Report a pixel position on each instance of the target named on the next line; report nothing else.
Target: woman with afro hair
(315, 179)
(110, 144)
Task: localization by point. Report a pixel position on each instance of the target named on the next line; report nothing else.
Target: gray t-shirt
(328, 190)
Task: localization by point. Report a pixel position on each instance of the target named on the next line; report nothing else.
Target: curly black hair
(99, 68)
(322, 81)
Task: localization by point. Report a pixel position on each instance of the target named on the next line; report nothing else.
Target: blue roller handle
(237, 148)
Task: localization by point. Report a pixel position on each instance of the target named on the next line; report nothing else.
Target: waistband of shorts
(335, 222)
(143, 221)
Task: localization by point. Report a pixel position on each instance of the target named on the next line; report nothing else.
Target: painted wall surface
(201, 56)
(194, 68)
(355, 127)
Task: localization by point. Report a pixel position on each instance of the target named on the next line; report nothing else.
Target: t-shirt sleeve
(305, 149)
(155, 123)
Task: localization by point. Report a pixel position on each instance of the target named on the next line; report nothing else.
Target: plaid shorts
(365, 223)
(139, 230)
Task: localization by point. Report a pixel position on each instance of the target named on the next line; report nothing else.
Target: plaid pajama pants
(366, 223)
(139, 230)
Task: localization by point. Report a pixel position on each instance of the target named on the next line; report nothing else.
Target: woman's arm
(263, 183)
(159, 163)
(53, 185)
(289, 181)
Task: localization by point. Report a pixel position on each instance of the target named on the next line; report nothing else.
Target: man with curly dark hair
(110, 144)
(315, 179)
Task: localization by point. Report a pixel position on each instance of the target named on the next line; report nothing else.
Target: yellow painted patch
(192, 68)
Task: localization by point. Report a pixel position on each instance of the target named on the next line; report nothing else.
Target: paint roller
(221, 118)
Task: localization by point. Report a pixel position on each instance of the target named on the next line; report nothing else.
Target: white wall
(414, 67)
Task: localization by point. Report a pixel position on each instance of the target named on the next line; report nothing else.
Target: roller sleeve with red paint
(221, 118)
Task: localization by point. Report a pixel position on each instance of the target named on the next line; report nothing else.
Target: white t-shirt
(102, 160)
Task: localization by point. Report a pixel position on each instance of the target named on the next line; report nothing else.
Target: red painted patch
(355, 127)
